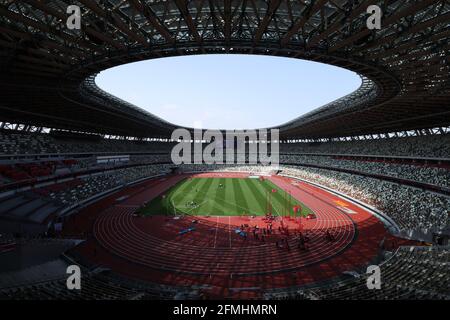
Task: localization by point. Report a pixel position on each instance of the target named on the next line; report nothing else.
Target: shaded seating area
(93, 287)
(409, 273)
(27, 207)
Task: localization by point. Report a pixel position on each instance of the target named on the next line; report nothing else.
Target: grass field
(222, 197)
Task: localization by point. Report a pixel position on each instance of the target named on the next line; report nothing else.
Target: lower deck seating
(27, 207)
(40, 204)
(411, 273)
(93, 287)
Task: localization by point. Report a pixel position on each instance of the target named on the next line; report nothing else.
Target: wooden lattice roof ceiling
(47, 70)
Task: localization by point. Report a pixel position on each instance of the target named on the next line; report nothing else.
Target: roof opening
(228, 91)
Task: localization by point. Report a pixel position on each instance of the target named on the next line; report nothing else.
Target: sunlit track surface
(214, 248)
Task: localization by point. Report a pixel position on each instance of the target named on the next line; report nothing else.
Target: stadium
(354, 206)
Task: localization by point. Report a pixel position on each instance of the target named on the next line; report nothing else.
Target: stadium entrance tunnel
(228, 91)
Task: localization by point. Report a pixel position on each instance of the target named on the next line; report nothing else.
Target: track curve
(154, 244)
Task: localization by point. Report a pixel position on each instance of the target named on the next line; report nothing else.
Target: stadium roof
(47, 71)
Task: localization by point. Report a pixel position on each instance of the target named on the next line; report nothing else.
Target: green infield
(224, 197)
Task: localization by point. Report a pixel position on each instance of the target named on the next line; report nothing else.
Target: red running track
(151, 248)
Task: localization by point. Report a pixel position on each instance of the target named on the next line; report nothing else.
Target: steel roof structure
(47, 71)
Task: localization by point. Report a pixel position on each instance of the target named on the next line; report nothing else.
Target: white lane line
(229, 228)
(217, 227)
(127, 206)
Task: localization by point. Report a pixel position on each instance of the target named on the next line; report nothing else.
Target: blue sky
(228, 91)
